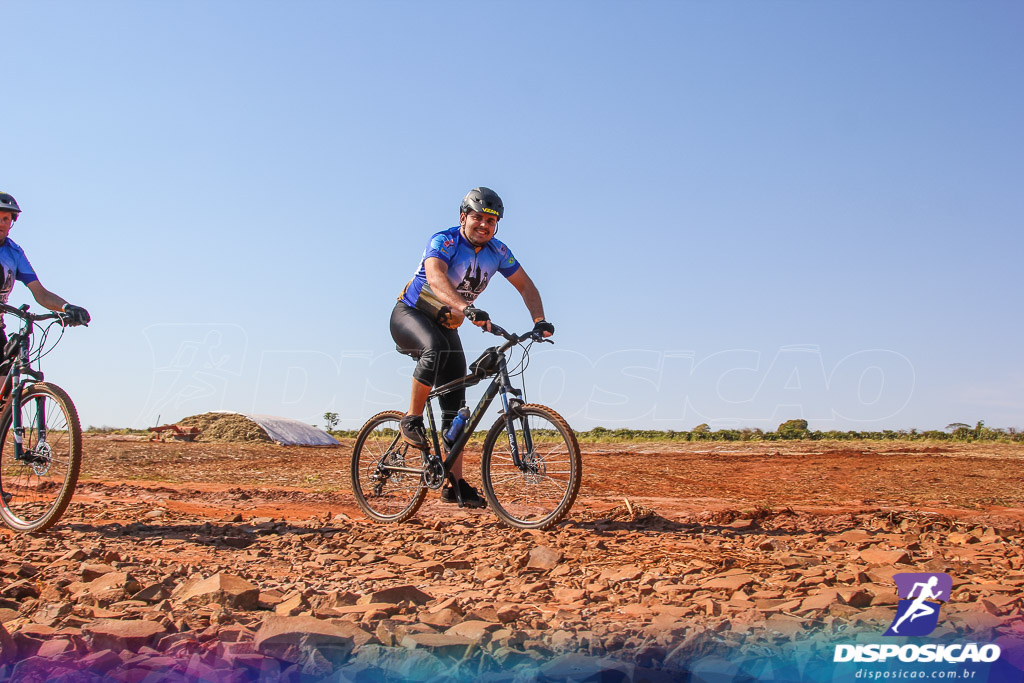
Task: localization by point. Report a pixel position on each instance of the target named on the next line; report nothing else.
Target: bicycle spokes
(387, 473)
(535, 487)
(39, 460)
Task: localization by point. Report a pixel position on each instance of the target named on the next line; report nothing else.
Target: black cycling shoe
(413, 432)
(471, 498)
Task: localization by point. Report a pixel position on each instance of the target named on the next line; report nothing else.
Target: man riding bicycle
(456, 266)
(15, 266)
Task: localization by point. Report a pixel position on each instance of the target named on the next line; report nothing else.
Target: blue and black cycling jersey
(469, 270)
(15, 266)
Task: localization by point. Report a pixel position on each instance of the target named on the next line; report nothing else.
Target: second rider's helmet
(7, 203)
(483, 200)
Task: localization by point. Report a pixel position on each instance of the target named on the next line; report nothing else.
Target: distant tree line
(797, 429)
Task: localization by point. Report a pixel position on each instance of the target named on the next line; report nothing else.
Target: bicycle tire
(397, 496)
(37, 492)
(539, 498)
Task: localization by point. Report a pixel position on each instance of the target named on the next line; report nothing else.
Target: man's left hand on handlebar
(76, 315)
(543, 328)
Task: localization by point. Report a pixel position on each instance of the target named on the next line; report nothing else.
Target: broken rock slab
(398, 663)
(875, 556)
(478, 631)
(442, 618)
(441, 644)
(278, 634)
(543, 559)
(584, 667)
(122, 634)
(112, 587)
(8, 651)
(396, 595)
(224, 589)
(732, 583)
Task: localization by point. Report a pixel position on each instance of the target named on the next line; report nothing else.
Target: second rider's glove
(76, 315)
(475, 315)
(542, 326)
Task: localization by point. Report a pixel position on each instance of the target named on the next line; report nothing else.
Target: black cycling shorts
(438, 352)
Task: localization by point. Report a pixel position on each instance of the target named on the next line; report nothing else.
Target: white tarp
(289, 432)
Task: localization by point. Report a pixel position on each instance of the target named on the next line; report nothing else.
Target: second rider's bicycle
(40, 436)
(530, 465)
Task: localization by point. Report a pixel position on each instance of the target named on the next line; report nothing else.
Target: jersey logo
(473, 282)
(6, 283)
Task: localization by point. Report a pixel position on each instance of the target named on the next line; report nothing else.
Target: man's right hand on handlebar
(478, 317)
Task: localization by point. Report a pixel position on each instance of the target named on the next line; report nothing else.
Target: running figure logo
(915, 616)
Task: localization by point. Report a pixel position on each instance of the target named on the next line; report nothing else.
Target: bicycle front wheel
(538, 492)
(36, 488)
(385, 493)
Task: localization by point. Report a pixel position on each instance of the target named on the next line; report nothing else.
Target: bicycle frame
(501, 384)
(18, 377)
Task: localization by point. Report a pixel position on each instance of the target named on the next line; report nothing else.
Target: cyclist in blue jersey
(14, 265)
(456, 266)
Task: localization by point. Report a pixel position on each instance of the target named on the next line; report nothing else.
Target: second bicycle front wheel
(384, 492)
(36, 488)
(537, 493)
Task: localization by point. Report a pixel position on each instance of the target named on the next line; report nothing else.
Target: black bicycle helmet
(483, 200)
(7, 203)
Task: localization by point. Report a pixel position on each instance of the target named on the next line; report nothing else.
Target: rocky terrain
(240, 562)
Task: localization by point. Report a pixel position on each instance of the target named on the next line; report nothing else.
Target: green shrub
(794, 429)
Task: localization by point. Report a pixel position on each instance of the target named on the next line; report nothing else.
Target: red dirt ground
(969, 481)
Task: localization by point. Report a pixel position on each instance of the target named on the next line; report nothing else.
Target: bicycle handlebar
(514, 339)
(23, 313)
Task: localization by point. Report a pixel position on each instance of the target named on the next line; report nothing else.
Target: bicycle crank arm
(392, 468)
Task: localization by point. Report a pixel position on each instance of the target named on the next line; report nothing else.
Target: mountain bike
(530, 465)
(40, 437)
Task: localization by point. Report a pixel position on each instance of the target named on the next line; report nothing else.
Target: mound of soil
(224, 427)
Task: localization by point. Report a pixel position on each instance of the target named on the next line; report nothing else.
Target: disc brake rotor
(534, 467)
(40, 457)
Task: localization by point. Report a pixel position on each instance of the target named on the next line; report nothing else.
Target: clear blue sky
(737, 212)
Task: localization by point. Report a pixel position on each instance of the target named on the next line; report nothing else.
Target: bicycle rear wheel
(539, 493)
(37, 488)
(383, 493)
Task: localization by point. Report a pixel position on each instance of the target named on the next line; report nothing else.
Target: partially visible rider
(456, 266)
(14, 265)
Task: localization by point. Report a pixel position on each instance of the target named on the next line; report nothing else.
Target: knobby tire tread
(357, 490)
(67, 491)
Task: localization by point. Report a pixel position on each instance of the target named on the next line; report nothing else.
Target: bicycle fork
(510, 407)
(34, 456)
